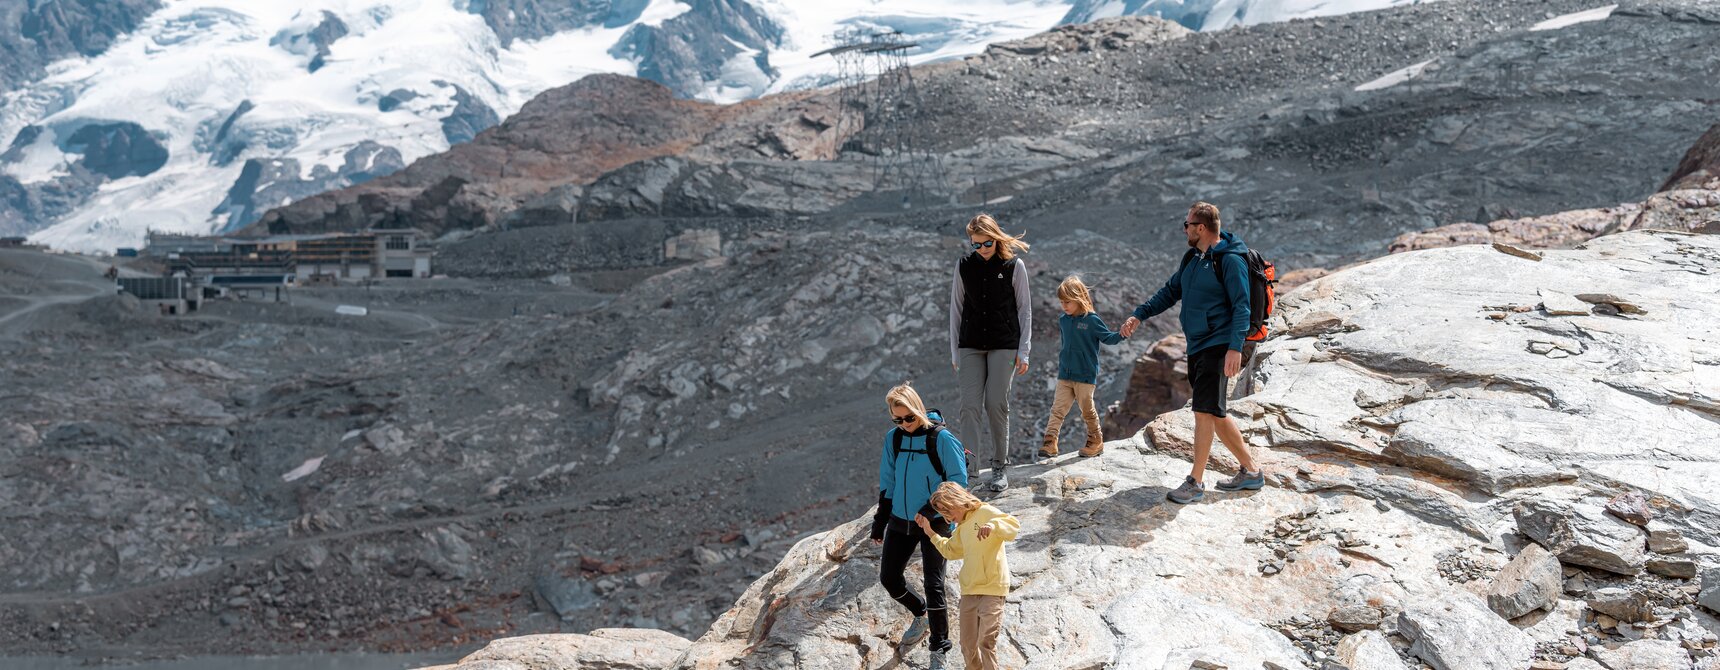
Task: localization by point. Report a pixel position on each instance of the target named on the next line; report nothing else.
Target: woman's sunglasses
(899, 420)
(986, 244)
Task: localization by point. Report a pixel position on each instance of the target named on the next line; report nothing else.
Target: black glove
(881, 518)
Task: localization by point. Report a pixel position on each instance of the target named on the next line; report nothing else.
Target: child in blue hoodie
(918, 457)
(1078, 366)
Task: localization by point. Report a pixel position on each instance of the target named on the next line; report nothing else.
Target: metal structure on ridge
(881, 114)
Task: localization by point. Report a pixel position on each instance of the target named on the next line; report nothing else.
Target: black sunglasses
(1186, 224)
(899, 420)
(986, 244)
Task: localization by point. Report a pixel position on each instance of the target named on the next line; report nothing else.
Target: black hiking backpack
(936, 419)
(1262, 288)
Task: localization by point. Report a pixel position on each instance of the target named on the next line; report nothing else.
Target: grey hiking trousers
(984, 377)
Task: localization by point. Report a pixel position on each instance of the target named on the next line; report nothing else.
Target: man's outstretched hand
(1232, 363)
(1129, 327)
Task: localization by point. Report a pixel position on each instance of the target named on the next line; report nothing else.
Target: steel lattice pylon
(883, 112)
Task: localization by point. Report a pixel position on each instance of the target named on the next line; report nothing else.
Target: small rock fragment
(1504, 248)
(1631, 506)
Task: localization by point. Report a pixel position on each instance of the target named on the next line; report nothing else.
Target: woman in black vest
(991, 326)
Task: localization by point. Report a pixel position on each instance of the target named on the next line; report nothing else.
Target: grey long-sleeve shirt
(1023, 312)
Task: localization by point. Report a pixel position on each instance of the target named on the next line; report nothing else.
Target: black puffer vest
(989, 317)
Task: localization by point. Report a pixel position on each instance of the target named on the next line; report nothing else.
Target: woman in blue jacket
(918, 456)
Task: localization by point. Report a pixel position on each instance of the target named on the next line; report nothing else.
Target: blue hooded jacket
(906, 479)
(1209, 318)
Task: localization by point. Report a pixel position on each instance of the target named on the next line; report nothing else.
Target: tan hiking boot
(1095, 445)
(1049, 449)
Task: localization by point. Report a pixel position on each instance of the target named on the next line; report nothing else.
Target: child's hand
(984, 531)
(924, 524)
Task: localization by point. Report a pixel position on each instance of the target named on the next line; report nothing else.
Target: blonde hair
(1206, 214)
(1073, 290)
(950, 497)
(1007, 245)
(905, 397)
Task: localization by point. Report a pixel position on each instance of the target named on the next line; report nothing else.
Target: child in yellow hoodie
(977, 542)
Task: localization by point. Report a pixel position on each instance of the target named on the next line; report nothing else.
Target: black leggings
(898, 548)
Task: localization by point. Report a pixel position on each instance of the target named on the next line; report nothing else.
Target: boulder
(1368, 650)
(1674, 567)
(1358, 617)
(1158, 383)
(1643, 655)
(1621, 603)
(603, 649)
(1664, 539)
(1632, 506)
(1583, 534)
(1709, 596)
(1531, 581)
(1458, 632)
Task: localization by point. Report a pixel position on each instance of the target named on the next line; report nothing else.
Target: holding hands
(1129, 326)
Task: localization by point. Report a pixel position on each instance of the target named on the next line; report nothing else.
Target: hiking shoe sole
(1251, 484)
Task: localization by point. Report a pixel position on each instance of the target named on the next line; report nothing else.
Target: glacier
(254, 105)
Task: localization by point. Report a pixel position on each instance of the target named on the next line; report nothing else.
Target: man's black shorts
(1206, 377)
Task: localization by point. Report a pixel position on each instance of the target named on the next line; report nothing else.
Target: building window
(399, 243)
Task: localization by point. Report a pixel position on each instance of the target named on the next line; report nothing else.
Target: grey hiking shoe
(999, 482)
(1190, 491)
(937, 661)
(1243, 481)
(916, 632)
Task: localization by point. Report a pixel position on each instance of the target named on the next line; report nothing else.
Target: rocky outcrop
(602, 649)
(1700, 168)
(39, 33)
(718, 41)
(560, 140)
(1158, 383)
(1107, 574)
(117, 149)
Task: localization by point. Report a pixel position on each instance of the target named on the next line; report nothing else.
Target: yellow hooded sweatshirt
(985, 569)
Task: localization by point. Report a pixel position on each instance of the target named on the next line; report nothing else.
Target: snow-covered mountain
(211, 112)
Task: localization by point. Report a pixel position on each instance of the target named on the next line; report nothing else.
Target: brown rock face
(1158, 384)
(1701, 165)
(567, 137)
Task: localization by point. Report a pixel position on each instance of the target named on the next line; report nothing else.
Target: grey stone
(1664, 539)
(1676, 568)
(1458, 632)
(1583, 534)
(1621, 603)
(1358, 617)
(1709, 596)
(1531, 581)
(1562, 304)
(1631, 506)
(1643, 655)
(1367, 650)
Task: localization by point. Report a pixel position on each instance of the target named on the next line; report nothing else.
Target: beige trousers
(1068, 393)
(981, 621)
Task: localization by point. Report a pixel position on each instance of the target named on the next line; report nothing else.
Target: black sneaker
(1190, 491)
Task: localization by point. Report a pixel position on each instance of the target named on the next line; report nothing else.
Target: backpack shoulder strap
(932, 452)
(895, 444)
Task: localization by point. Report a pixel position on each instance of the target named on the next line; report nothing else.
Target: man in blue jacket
(1215, 321)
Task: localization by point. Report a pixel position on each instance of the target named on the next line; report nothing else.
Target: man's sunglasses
(1186, 224)
(986, 244)
(899, 420)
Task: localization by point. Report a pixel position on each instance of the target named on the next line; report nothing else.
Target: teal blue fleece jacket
(906, 479)
(1212, 314)
(1079, 359)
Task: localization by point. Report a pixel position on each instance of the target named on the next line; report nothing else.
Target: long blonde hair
(950, 497)
(1073, 290)
(1007, 245)
(905, 397)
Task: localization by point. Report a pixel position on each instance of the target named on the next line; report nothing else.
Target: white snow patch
(1397, 77)
(1574, 18)
(351, 310)
(307, 469)
(40, 161)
